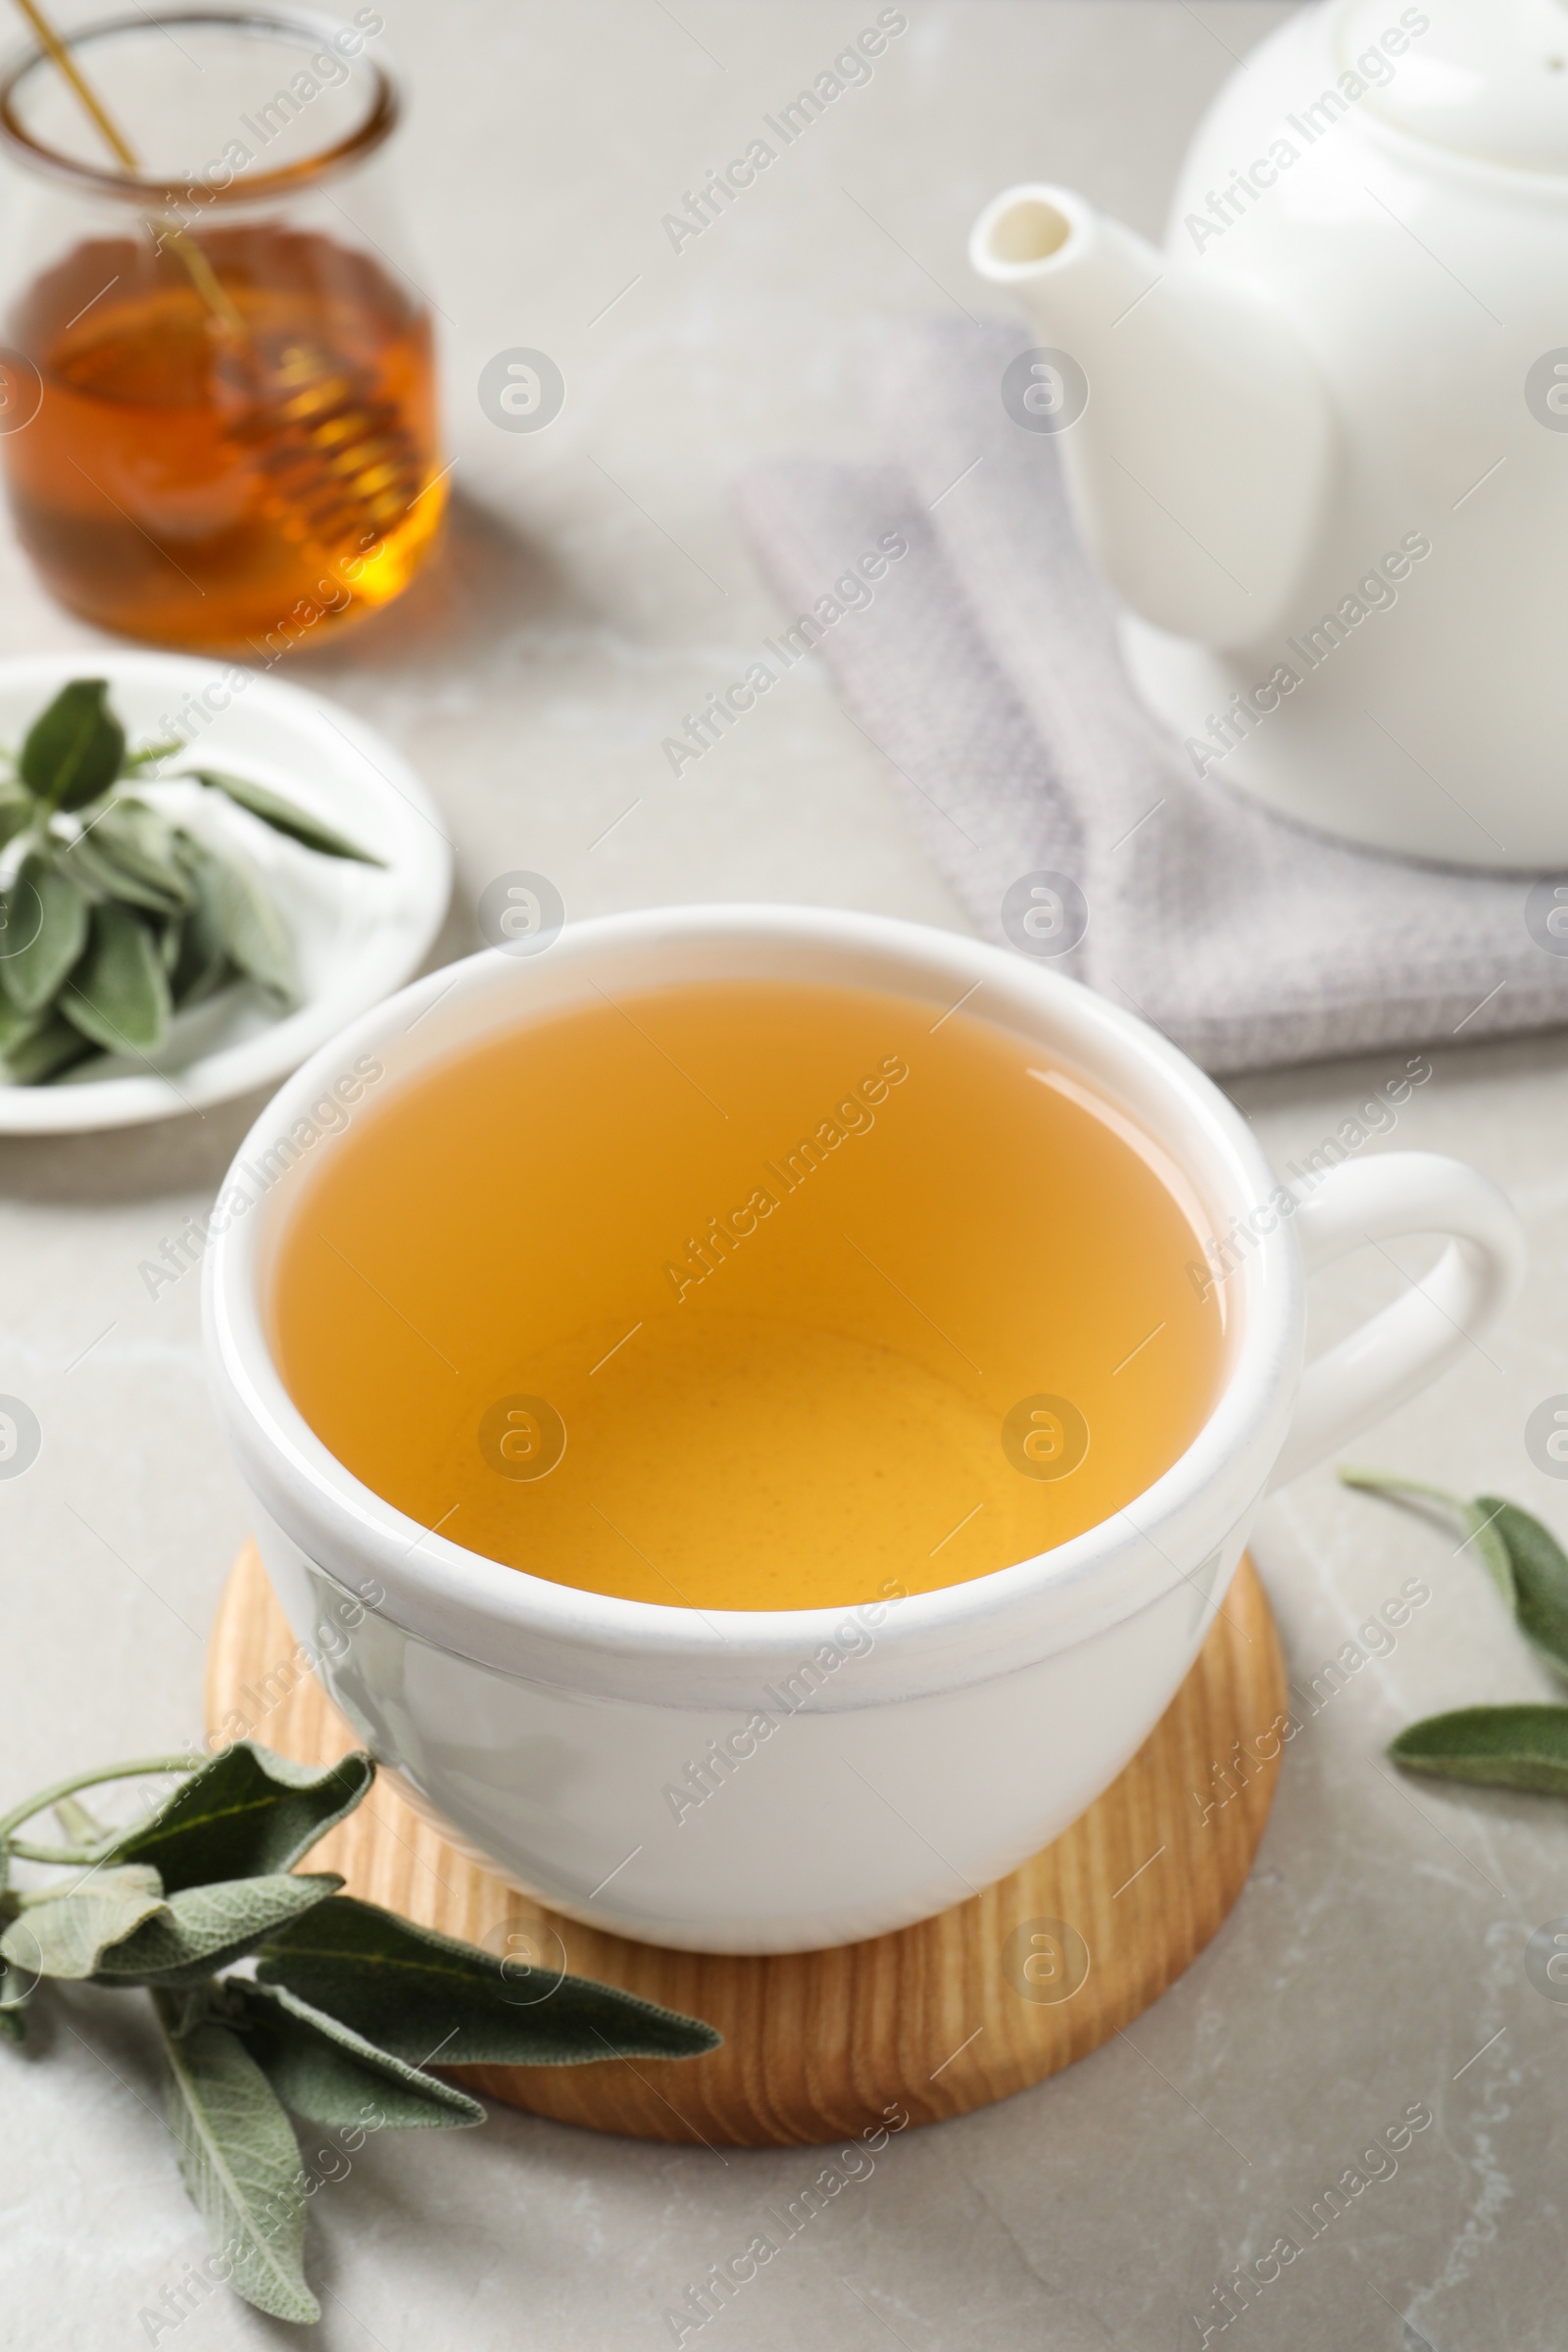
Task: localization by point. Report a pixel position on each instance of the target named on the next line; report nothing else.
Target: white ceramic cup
(959, 1729)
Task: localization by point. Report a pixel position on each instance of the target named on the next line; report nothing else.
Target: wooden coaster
(965, 2008)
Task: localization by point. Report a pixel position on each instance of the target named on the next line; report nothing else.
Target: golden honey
(239, 479)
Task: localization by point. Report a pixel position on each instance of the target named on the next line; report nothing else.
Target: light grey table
(595, 590)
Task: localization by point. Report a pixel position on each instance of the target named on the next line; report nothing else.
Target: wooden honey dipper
(340, 466)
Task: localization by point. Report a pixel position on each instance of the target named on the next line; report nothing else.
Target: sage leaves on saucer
(115, 916)
(1522, 1747)
(347, 2009)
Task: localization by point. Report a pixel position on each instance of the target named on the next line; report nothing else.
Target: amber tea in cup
(757, 1294)
(220, 427)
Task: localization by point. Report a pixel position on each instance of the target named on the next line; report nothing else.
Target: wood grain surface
(944, 2017)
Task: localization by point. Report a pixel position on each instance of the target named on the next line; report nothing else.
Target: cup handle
(1395, 1355)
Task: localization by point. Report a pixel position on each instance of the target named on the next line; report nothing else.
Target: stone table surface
(594, 588)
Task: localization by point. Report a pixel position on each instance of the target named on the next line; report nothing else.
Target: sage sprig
(1524, 1746)
(115, 916)
(348, 2007)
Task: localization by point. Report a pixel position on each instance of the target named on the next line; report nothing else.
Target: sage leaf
(118, 994)
(16, 1984)
(1539, 1569)
(47, 1049)
(1500, 1748)
(431, 2000)
(201, 1928)
(201, 962)
(77, 1825)
(243, 916)
(1480, 1536)
(17, 1027)
(246, 1814)
(80, 860)
(17, 1031)
(130, 850)
(197, 976)
(324, 2071)
(45, 932)
(285, 816)
(36, 1046)
(16, 809)
(149, 756)
(1524, 1559)
(67, 1935)
(240, 2162)
(74, 749)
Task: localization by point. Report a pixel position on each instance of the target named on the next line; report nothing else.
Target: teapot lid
(1487, 79)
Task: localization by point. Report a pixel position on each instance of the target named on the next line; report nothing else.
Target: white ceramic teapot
(1319, 444)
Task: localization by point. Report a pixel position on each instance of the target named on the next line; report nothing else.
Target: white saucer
(359, 931)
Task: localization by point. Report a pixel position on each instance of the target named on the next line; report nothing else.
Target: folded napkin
(983, 663)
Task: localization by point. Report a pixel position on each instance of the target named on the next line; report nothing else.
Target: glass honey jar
(217, 407)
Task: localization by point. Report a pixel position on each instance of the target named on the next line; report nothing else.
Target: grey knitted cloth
(985, 669)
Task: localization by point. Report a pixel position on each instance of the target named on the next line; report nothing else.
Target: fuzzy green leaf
(118, 994)
(81, 861)
(246, 1814)
(45, 931)
(67, 1936)
(1523, 1557)
(285, 816)
(201, 1928)
(431, 2000)
(97, 877)
(128, 853)
(77, 1826)
(240, 2162)
(20, 1032)
(149, 756)
(16, 809)
(200, 964)
(16, 1985)
(324, 2071)
(46, 1050)
(196, 978)
(17, 1027)
(240, 913)
(1540, 1570)
(1478, 1519)
(74, 749)
(1502, 1748)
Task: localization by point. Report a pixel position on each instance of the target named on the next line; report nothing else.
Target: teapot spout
(1198, 469)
